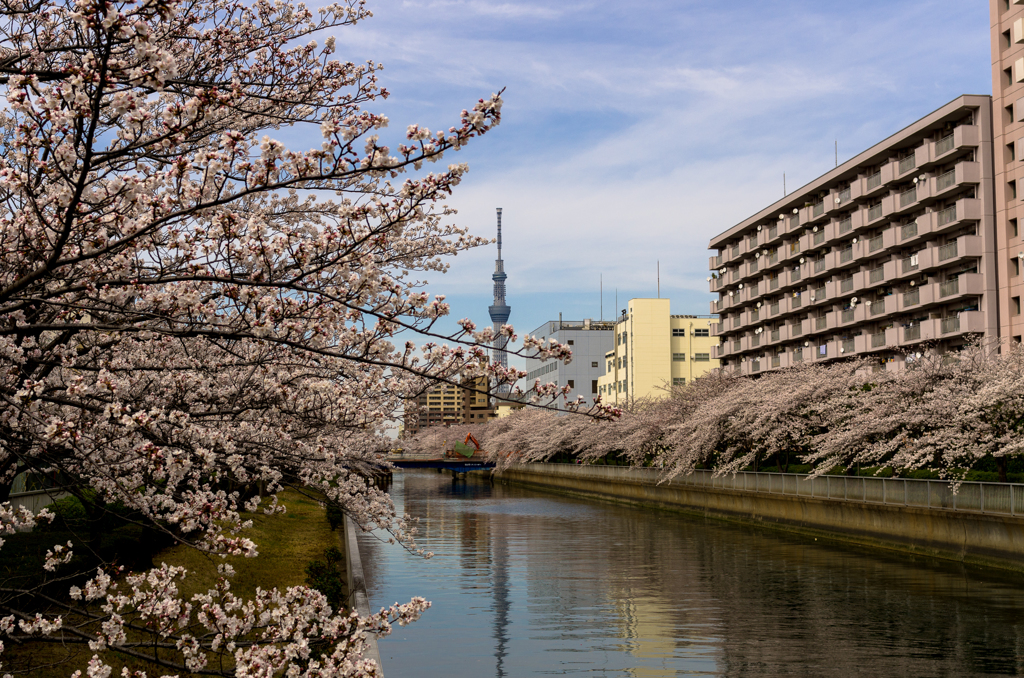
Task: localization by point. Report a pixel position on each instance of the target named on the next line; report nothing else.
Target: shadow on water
(530, 584)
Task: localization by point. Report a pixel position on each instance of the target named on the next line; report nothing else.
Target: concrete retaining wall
(984, 539)
(357, 588)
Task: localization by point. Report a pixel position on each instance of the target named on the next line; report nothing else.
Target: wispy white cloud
(634, 133)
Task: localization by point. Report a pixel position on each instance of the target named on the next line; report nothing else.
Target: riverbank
(973, 537)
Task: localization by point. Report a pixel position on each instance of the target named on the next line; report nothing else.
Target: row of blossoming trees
(193, 315)
(944, 413)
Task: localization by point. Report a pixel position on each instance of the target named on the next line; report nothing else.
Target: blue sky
(634, 132)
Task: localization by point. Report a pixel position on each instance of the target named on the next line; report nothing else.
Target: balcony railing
(844, 195)
(819, 265)
(776, 361)
(735, 251)
(875, 243)
(773, 283)
(755, 340)
(947, 215)
(794, 275)
(912, 333)
(818, 209)
(753, 266)
(947, 251)
(848, 346)
(949, 288)
(912, 298)
(718, 261)
(755, 365)
(874, 181)
(755, 315)
(877, 307)
(846, 285)
(877, 275)
(848, 315)
(819, 237)
(875, 212)
(774, 308)
(908, 197)
(736, 345)
(908, 230)
(944, 181)
(819, 294)
(944, 145)
(796, 302)
(846, 225)
(775, 334)
(773, 256)
(798, 355)
(951, 324)
(845, 255)
(796, 329)
(820, 323)
(908, 163)
(909, 264)
(878, 340)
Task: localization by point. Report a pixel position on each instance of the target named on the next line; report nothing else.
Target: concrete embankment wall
(983, 539)
(357, 586)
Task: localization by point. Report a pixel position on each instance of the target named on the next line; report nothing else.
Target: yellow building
(655, 350)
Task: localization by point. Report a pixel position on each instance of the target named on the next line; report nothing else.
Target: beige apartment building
(889, 251)
(654, 351)
(1008, 131)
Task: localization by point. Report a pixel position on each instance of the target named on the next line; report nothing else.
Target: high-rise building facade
(653, 350)
(893, 250)
(1008, 132)
(449, 405)
(588, 340)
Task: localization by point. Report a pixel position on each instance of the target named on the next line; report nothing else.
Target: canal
(526, 583)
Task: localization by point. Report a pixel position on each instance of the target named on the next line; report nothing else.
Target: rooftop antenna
(784, 194)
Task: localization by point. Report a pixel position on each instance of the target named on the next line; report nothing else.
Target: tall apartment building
(891, 249)
(1008, 131)
(654, 350)
(448, 405)
(589, 340)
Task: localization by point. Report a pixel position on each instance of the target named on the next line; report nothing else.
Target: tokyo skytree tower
(499, 311)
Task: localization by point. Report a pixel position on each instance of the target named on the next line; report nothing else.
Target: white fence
(999, 498)
(993, 498)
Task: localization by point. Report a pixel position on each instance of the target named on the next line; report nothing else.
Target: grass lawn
(286, 544)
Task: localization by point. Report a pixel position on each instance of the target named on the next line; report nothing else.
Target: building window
(572, 383)
(1015, 306)
(593, 364)
(1011, 189)
(702, 357)
(702, 332)
(571, 342)
(1011, 151)
(593, 386)
(678, 381)
(678, 332)
(1014, 267)
(679, 357)
(1009, 113)
(1013, 228)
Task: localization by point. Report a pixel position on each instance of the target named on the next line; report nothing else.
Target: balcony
(883, 339)
(911, 334)
(963, 137)
(964, 209)
(908, 231)
(916, 298)
(908, 197)
(845, 226)
(965, 322)
(874, 212)
(821, 323)
(963, 173)
(965, 284)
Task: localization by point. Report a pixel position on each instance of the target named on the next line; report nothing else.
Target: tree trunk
(1001, 466)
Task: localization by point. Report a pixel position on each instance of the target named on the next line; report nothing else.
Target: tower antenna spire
(499, 312)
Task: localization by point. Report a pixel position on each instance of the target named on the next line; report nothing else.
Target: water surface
(525, 583)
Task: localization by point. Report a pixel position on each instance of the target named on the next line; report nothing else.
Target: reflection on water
(530, 584)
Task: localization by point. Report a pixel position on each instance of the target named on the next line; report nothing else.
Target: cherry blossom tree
(191, 311)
